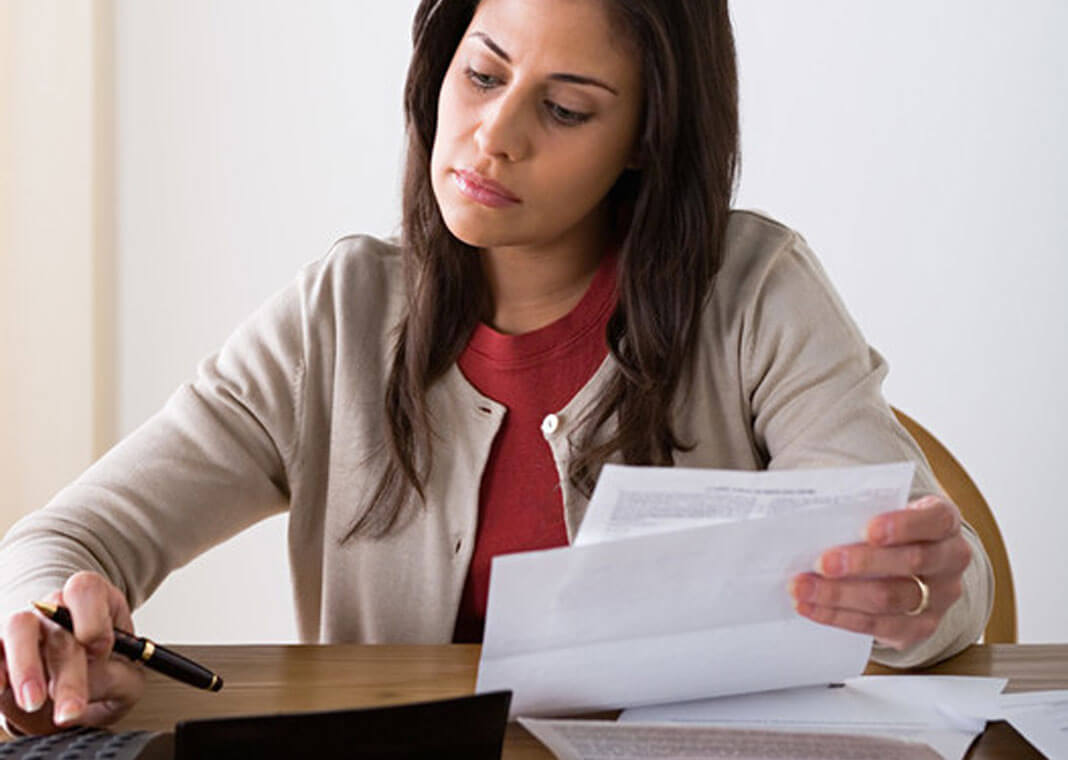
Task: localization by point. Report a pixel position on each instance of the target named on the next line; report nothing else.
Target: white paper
(632, 501)
(945, 712)
(605, 740)
(679, 615)
(1041, 717)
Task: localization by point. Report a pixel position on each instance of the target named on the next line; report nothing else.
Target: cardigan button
(549, 425)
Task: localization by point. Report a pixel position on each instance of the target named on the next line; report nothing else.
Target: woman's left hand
(872, 587)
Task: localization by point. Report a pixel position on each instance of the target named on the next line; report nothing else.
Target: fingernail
(33, 696)
(830, 563)
(68, 711)
(801, 588)
(878, 532)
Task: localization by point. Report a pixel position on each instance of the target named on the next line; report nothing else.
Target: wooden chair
(959, 487)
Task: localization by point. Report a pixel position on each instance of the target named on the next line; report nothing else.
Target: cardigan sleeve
(815, 391)
(219, 456)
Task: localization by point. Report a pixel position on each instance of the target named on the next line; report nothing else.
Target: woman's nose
(503, 132)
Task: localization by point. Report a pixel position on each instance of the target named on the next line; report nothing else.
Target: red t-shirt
(520, 507)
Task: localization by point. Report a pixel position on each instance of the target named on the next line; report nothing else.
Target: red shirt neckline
(518, 351)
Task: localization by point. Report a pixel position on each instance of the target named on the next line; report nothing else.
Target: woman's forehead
(573, 34)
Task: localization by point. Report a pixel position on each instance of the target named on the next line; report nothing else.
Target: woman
(570, 287)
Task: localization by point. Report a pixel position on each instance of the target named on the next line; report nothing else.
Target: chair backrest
(962, 491)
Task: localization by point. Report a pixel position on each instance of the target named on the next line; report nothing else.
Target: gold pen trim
(148, 651)
(48, 609)
(214, 680)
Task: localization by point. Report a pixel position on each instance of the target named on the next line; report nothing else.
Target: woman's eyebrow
(560, 77)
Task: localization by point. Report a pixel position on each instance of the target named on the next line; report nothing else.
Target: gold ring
(925, 597)
(150, 649)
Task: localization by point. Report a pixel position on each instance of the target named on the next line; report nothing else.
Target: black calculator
(91, 744)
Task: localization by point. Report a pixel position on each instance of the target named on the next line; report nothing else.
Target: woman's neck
(533, 287)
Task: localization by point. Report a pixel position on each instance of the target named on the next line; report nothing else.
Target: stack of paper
(675, 590)
(688, 599)
(945, 712)
(605, 740)
(869, 716)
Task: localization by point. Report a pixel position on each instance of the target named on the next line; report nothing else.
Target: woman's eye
(480, 80)
(566, 116)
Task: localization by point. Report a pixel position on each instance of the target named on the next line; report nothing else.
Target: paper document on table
(605, 740)
(633, 501)
(945, 712)
(1041, 717)
(677, 615)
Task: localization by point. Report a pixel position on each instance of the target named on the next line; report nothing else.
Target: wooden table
(265, 679)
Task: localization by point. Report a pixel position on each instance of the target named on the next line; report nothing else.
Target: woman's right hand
(51, 679)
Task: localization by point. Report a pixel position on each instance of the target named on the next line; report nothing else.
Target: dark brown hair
(676, 206)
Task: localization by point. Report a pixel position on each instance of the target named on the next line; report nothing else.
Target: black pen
(159, 658)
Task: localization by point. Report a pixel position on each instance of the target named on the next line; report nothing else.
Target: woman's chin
(478, 235)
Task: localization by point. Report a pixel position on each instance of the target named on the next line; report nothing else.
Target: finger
(87, 596)
(874, 596)
(931, 518)
(22, 652)
(119, 609)
(932, 558)
(115, 686)
(896, 631)
(69, 682)
(39, 722)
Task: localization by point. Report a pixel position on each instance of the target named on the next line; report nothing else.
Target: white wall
(917, 145)
(251, 136)
(46, 249)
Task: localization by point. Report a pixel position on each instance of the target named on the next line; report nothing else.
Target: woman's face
(544, 99)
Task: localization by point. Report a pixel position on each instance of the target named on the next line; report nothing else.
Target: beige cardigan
(288, 414)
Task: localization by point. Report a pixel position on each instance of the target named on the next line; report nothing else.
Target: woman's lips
(483, 190)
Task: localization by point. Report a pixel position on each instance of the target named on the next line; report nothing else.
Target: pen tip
(45, 608)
